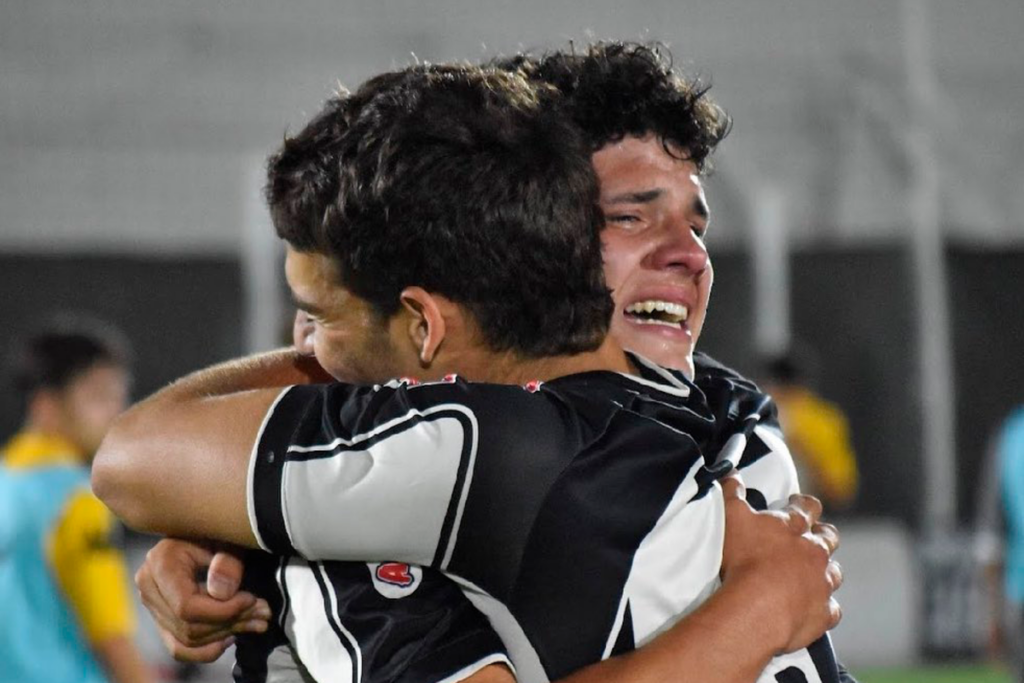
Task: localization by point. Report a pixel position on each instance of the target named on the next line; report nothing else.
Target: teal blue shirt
(1011, 470)
(40, 641)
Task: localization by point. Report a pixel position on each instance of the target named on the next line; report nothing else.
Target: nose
(302, 333)
(677, 246)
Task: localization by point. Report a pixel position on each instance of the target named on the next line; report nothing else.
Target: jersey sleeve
(345, 473)
(90, 570)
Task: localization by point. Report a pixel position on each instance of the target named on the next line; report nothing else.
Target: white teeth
(676, 312)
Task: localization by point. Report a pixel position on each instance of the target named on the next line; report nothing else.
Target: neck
(509, 368)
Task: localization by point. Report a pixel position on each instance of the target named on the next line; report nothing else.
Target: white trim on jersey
(774, 475)
(525, 659)
(250, 502)
(800, 660)
(676, 566)
(466, 672)
(316, 630)
(673, 385)
(404, 482)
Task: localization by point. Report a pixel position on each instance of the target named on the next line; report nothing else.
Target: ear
(426, 324)
(44, 408)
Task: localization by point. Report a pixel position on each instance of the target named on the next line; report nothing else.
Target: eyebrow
(637, 197)
(305, 306)
(647, 196)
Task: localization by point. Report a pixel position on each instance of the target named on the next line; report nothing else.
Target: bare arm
(177, 462)
(122, 660)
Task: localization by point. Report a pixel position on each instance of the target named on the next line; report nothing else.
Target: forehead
(100, 376)
(633, 162)
(310, 275)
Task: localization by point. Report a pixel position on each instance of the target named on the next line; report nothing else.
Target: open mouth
(657, 312)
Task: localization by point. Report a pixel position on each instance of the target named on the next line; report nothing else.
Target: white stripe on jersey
(527, 666)
(774, 475)
(310, 630)
(389, 501)
(799, 660)
(676, 566)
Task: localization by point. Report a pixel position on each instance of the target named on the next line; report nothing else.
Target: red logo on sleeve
(395, 573)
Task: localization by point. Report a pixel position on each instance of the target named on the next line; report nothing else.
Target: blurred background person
(1001, 519)
(816, 430)
(68, 615)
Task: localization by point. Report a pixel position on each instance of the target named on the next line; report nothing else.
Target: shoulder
(85, 516)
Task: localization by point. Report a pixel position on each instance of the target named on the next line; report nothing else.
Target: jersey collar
(653, 375)
(35, 449)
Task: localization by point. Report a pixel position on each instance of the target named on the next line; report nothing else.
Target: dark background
(853, 307)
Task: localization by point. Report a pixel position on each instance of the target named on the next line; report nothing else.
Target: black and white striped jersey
(580, 515)
(382, 622)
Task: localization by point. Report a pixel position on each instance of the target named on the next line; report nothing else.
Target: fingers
(199, 655)
(224, 575)
(181, 606)
(803, 511)
(828, 534)
(835, 612)
(834, 575)
(733, 486)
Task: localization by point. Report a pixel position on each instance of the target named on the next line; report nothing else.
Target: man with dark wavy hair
(669, 302)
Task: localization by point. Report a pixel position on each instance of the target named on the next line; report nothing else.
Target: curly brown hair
(617, 89)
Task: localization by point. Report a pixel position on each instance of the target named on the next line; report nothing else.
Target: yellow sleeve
(91, 570)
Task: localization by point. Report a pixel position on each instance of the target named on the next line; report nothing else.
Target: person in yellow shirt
(816, 430)
(68, 615)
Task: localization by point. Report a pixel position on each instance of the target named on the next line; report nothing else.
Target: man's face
(89, 404)
(655, 261)
(348, 339)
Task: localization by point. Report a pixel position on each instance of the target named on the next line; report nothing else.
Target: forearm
(177, 462)
(273, 369)
(726, 640)
(122, 660)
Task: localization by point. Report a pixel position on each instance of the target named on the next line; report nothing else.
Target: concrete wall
(132, 125)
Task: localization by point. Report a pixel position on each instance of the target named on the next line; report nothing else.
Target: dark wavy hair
(618, 89)
(62, 349)
(465, 181)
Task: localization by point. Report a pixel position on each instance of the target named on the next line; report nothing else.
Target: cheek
(706, 282)
(618, 263)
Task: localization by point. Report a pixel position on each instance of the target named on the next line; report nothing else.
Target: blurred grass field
(937, 674)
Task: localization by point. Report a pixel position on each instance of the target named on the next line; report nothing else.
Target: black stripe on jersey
(824, 658)
(625, 641)
(268, 470)
(411, 420)
(755, 450)
(707, 476)
(791, 675)
(316, 568)
(565, 569)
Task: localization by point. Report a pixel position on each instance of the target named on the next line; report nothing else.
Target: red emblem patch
(533, 386)
(395, 573)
